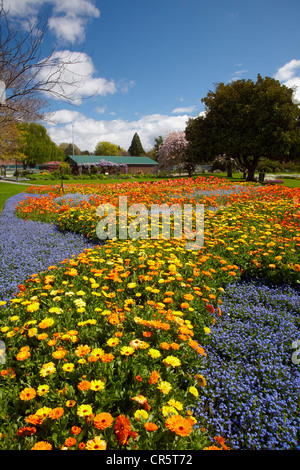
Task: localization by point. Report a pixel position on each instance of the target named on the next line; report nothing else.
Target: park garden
(140, 343)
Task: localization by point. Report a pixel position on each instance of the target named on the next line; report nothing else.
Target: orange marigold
(42, 445)
(123, 429)
(56, 413)
(103, 420)
(26, 431)
(154, 377)
(70, 442)
(150, 427)
(75, 430)
(84, 385)
(180, 425)
(27, 394)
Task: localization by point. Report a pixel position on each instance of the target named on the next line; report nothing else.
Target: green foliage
(38, 146)
(65, 168)
(107, 149)
(136, 148)
(248, 120)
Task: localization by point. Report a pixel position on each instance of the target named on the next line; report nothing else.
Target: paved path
(19, 182)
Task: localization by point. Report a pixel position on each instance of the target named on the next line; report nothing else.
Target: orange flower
(210, 308)
(123, 429)
(103, 420)
(26, 431)
(188, 297)
(165, 345)
(107, 357)
(154, 377)
(82, 350)
(147, 334)
(70, 442)
(27, 394)
(56, 413)
(59, 353)
(180, 425)
(139, 378)
(22, 355)
(150, 427)
(221, 440)
(34, 419)
(212, 448)
(75, 430)
(84, 385)
(42, 445)
(96, 444)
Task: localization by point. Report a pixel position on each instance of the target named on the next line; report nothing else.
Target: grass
(8, 190)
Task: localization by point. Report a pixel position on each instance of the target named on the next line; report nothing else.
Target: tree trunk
(250, 175)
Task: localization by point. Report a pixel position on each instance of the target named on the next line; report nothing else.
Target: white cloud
(88, 132)
(68, 28)
(187, 109)
(67, 20)
(100, 109)
(75, 79)
(287, 75)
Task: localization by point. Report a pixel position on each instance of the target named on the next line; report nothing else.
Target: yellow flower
(141, 414)
(84, 410)
(176, 404)
(97, 385)
(42, 390)
(172, 361)
(14, 318)
(32, 332)
(55, 310)
(169, 410)
(194, 391)
(47, 369)
(33, 307)
(164, 387)
(68, 367)
(127, 350)
(112, 342)
(131, 285)
(154, 353)
(206, 330)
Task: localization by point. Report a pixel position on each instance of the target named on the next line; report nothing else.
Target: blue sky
(148, 63)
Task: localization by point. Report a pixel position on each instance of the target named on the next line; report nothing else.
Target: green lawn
(8, 190)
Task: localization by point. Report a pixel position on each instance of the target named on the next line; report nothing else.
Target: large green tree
(136, 148)
(247, 120)
(107, 149)
(38, 146)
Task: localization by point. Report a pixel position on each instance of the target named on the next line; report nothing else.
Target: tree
(12, 139)
(67, 148)
(174, 151)
(27, 77)
(248, 120)
(136, 148)
(107, 148)
(38, 146)
(158, 141)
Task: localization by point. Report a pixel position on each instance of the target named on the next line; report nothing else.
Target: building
(111, 164)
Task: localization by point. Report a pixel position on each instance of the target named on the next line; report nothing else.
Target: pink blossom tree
(174, 151)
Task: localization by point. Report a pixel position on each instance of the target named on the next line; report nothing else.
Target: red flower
(123, 430)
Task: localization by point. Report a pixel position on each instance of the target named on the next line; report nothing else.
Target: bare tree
(29, 79)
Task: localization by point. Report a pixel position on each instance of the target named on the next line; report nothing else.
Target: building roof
(82, 159)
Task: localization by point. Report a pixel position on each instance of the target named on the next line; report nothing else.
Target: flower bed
(252, 393)
(110, 350)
